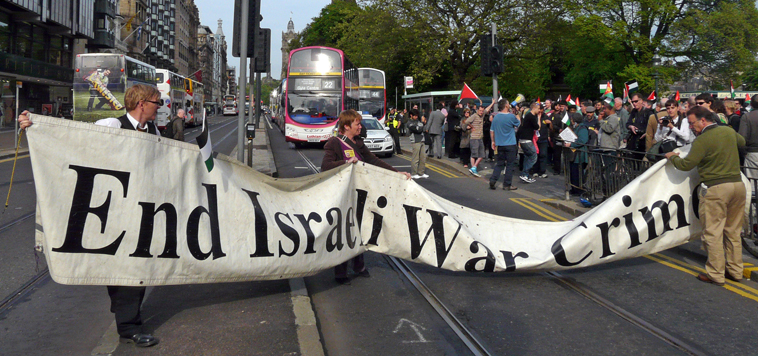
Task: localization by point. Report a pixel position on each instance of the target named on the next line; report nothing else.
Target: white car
(378, 140)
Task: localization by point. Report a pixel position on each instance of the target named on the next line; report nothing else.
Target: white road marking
(415, 328)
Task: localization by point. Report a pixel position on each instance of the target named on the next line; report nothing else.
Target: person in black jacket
(637, 124)
(453, 134)
(348, 148)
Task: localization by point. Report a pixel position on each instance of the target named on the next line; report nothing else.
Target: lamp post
(656, 75)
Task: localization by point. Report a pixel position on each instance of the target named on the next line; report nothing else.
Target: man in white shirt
(142, 102)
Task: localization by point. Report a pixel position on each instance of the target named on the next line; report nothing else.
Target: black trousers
(340, 270)
(541, 166)
(396, 137)
(557, 151)
(126, 303)
(452, 143)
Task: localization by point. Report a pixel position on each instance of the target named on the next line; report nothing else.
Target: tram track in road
(465, 335)
(8, 300)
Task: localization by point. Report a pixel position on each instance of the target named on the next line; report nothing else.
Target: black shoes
(363, 273)
(492, 185)
(342, 280)
(140, 340)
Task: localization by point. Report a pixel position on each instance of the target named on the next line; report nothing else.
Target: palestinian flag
(626, 94)
(608, 91)
(652, 96)
(206, 148)
(566, 121)
(569, 101)
(467, 95)
(748, 107)
(731, 89)
(631, 87)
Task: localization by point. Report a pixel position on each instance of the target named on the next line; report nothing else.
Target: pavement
(550, 191)
(8, 145)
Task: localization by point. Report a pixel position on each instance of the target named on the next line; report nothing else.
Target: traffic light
(263, 51)
(485, 43)
(496, 59)
(253, 24)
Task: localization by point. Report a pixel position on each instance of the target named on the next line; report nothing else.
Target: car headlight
(387, 139)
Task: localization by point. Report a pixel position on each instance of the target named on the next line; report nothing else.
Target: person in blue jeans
(503, 134)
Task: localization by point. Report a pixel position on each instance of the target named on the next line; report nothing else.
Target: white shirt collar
(134, 122)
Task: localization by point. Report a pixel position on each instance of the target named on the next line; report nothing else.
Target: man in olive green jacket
(721, 192)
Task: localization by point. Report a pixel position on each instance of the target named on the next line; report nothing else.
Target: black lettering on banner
(560, 254)
(261, 227)
(193, 225)
(376, 226)
(310, 237)
(359, 206)
(489, 260)
(510, 259)
(80, 208)
(289, 232)
(349, 223)
(146, 231)
(681, 216)
(605, 228)
(439, 233)
(334, 239)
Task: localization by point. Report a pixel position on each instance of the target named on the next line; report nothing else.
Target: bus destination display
(313, 84)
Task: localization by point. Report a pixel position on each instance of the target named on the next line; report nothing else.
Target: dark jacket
(334, 154)
(453, 120)
(639, 119)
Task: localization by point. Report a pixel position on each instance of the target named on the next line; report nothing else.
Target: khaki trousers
(721, 213)
(418, 159)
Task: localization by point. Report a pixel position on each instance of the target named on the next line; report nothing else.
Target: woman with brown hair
(348, 148)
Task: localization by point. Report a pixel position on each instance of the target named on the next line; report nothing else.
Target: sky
(276, 14)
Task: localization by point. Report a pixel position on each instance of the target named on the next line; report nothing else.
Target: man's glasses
(700, 103)
(635, 101)
(159, 102)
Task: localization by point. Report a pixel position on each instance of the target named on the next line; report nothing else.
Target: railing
(605, 172)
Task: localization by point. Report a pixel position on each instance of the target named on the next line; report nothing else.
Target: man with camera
(637, 124)
(673, 131)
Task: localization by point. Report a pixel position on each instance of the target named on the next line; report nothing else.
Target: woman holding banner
(348, 148)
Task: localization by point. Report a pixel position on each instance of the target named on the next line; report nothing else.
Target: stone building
(206, 54)
(187, 22)
(219, 69)
(286, 38)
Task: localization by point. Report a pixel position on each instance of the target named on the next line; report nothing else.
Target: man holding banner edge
(142, 102)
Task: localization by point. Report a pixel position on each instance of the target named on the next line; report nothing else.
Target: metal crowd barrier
(604, 174)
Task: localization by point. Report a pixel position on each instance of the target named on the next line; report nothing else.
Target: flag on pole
(677, 98)
(467, 94)
(631, 87)
(652, 96)
(731, 88)
(129, 23)
(626, 94)
(569, 101)
(538, 100)
(198, 75)
(560, 97)
(608, 91)
(748, 107)
(566, 121)
(139, 32)
(206, 148)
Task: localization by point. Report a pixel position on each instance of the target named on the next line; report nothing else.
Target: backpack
(169, 130)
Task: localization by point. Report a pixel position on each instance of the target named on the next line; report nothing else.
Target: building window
(23, 40)
(5, 33)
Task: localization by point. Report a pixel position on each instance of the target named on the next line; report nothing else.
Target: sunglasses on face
(700, 103)
(635, 101)
(159, 102)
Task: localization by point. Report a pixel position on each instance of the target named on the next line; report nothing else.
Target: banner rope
(13, 171)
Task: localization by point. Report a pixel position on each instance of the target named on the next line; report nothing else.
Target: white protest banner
(119, 207)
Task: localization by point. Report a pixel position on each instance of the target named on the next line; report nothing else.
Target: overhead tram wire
(463, 333)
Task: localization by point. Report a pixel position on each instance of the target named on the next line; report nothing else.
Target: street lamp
(656, 75)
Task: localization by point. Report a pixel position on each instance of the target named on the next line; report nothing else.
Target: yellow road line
(536, 211)
(730, 286)
(543, 209)
(701, 270)
(10, 159)
(433, 168)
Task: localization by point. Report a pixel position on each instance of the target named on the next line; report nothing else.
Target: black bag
(168, 132)
(427, 139)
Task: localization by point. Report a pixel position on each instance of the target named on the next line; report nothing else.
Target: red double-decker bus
(321, 83)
